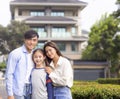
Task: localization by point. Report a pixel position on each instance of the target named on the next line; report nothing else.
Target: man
(19, 67)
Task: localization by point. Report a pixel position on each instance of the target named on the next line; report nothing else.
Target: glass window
(59, 32)
(37, 13)
(40, 45)
(73, 46)
(41, 31)
(73, 31)
(61, 46)
(57, 13)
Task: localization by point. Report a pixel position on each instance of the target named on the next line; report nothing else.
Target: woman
(61, 72)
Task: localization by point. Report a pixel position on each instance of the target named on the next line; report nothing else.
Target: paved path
(3, 92)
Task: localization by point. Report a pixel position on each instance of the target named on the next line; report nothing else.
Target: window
(41, 31)
(37, 13)
(73, 46)
(40, 45)
(59, 32)
(73, 30)
(20, 12)
(61, 46)
(57, 13)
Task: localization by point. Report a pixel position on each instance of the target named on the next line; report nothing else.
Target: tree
(101, 45)
(3, 40)
(11, 37)
(16, 30)
(117, 13)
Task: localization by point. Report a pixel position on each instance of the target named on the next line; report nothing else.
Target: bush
(93, 90)
(2, 65)
(109, 81)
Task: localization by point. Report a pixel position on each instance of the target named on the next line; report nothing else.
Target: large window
(37, 13)
(41, 31)
(57, 13)
(59, 32)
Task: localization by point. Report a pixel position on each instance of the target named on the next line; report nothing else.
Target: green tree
(101, 44)
(11, 37)
(16, 30)
(3, 40)
(117, 13)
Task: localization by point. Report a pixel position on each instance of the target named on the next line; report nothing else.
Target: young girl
(41, 84)
(62, 72)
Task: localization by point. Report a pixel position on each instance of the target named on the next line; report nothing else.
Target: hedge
(109, 81)
(93, 90)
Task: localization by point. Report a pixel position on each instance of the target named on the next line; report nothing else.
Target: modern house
(54, 20)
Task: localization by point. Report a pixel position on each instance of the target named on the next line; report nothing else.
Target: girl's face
(38, 58)
(50, 52)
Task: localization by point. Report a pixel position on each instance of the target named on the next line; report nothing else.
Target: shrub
(93, 90)
(109, 80)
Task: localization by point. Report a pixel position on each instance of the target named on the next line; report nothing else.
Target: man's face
(31, 43)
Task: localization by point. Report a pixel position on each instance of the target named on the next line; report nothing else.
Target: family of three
(38, 73)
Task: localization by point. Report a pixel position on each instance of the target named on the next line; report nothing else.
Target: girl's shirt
(39, 89)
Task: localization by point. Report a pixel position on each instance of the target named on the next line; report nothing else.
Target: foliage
(2, 65)
(103, 42)
(12, 36)
(109, 81)
(117, 13)
(16, 30)
(101, 45)
(93, 90)
(3, 40)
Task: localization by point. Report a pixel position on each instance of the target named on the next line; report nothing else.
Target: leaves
(11, 37)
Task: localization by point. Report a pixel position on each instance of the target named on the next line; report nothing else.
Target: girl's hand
(48, 69)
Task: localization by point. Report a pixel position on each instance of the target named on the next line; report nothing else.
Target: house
(54, 20)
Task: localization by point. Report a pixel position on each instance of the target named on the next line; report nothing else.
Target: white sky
(89, 15)
(94, 10)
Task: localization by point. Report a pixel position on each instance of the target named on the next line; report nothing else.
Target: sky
(94, 10)
(89, 15)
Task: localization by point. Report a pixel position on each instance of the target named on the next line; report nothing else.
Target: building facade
(55, 20)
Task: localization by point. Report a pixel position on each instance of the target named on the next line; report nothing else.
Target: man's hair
(30, 34)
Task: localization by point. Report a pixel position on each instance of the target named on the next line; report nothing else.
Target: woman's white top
(62, 74)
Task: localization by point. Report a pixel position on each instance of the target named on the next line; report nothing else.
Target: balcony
(61, 34)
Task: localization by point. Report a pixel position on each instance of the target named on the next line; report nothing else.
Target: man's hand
(11, 97)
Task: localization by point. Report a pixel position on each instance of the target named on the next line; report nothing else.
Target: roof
(49, 19)
(51, 1)
(94, 63)
(70, 3)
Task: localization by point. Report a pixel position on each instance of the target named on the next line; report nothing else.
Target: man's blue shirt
(16, 71)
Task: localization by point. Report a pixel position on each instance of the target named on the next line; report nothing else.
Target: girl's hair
(53, 45)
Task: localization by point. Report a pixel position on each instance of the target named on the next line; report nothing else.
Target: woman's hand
(48, 69)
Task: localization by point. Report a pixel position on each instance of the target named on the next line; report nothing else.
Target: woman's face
(50, 52)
